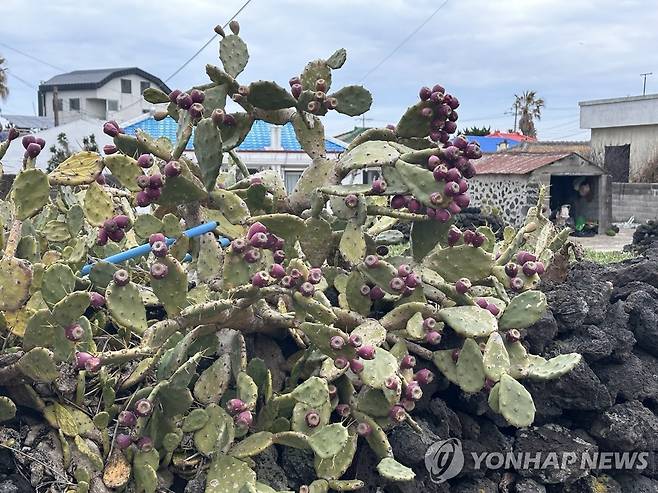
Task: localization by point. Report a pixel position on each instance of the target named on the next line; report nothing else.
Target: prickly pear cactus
(142, 369)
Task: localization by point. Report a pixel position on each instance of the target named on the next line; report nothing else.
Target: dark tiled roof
(29, 121)
(521, 163)
(549, 146)
(95, 78)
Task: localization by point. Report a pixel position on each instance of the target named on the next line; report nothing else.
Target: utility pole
(516, 113)
(55, 106)
(644, 84)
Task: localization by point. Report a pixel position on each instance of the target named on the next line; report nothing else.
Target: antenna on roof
(644, 83)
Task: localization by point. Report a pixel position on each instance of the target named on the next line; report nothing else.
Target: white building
(103, 94)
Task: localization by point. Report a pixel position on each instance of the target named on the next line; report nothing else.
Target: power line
(32, 57)
(20, 79)
(386, 58)
(206, 43)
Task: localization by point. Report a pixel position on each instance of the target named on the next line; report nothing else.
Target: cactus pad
(30, 193)
(524, 310)
(352, 100)
(124, 169)
(270, 96)
(125, 306)
(228, 475)
(208, 150)
(393, 470)
(469, 320)
(15, 281)
(495, 358)
(554, 367)
(233, 54)
(454, 263)
(329, 440)
(515, 402)
(470, 369)
(81, 168)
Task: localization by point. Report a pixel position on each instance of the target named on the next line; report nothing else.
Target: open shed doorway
(574, 203)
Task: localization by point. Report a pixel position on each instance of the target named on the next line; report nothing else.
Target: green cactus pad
(155, 96)
(317, 307)
(380, 275)
(515, 402)
(412, 123)
(470, 369)
(160, 147)
(292, 439)
(337, 465)
(357, 301)
(469, 321)
(30, 193)
(208, 151)
(15, 281)
(125, 306)
(56, 231)
(310, 134)
(70, 308)
(270, 96)
(298, 420)
(38, 365)
(320, 334)
(181, 190)
(391, 469)
(97, 205)
(147, 224)
(495, 358)
(172, 290)
(7, 409)
(317, 69)
(397, 318)
(233, 136)
(370, 154)
(234, 54)
(494, 398)
(58, 281)
(317, 242)
(252, 445)
(313, 392)
(213, 381)
(524, 310)
(352, 244)
(554, 367)
(80, 168)
(337, 59)
(454, 263)
(352, 100)
(145, 465)
(217, 433)
(329, 440)
(230, 205)
(195, 420)
(215, 98)
(375, 371)
(125, 169)
(414, 327)
(247, 389)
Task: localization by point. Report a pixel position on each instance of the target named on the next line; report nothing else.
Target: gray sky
(483, 51)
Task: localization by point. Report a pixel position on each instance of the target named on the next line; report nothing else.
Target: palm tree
(4, 88)
(529, 107)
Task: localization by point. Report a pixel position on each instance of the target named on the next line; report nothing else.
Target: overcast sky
(483, 51)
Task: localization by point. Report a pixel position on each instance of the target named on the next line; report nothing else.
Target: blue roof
(258, 139)
(490, 144)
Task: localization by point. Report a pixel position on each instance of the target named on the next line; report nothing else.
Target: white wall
(642, 139)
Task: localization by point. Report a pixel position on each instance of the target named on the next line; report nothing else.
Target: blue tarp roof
(490, 144)
(258, 139)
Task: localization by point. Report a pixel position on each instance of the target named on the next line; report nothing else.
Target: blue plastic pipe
(140, 250)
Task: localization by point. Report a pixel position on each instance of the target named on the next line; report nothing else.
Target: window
(60, 104)
(143, 86)
(74, 104)
(126, 86)
(112, 105)
(291, 178)
(370, 176)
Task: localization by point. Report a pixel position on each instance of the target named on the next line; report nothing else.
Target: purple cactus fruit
(378, 186)
(100, 179)
(424, 93)
(453, 116)
(463, 285)
(12, 135)
(277, 271)
(443, 215)
(96, 300)
(397, 414)
(343, 410)
(473, 151)
(272, 241)
(172, 169)
(244, 419)
(469, 235)
(454, 208)
(482, 303)
(469, 170)
(159, 270)
(404, 270)
(408, 404)
(522, 257)
(454, 235)
(196, 111)
(455, 355)
(493, 309)
(121, 277)
(279, 256)
(414, 206)
(237, 246)
(235, 406)
(391, 383)
(330, 103)
(366, 352)
(111, 129)
(333, 391)
(430, 211)
(529, 268)
(101, 237)
(451, 154)
(153, 194)
(123, 441)
(217, 117)
(398, 201)
(121, 221)
(450, 126)
(408, 362)
(397, 284)
(424, 376)
(460, 142)
(516, 284)
(197, 95)
(313, 106)
(173, 95)
(145, 444)
(341, 362)
(315, 275)
(336, 343)
(74, 332)
(433, 337)
(364, 290)
(156, 237)
(512, 336)
(540, 268)
(451, 189)
(81, 359)
(438, 88)
(312, 419)
(184, 101)
(127, 418)
(436, 97)
(143, 181)
(407, 290)
(260, 279)
(511, 269)
(229, 120)
(453, 174)
(155, 181)
(412, 280)
(462, 200)
(296, 90)
(27, 140)
(321, 85)
(117, 235)
(108, 149)
(376, 293)
(363, 429)
(356, 365)
(294, 80)
(145, 161)
(93, 364)
(33, 150)
(257, 227)
(160, 249)
(372, 261)
(437, 199)
(427, 112)
(287, 282)
(443, 111)
(478, 239)
(452, 101)
(258, 240)
(413, 392)
(429, 324)
(435, 136)
(351, 200)
(355, 341)
(307, 289)
(433, 162)
(143, 408)
(252, 255)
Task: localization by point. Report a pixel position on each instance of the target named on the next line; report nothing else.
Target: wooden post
(55, 106)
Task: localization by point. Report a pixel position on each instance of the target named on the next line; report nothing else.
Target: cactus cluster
(143, 369)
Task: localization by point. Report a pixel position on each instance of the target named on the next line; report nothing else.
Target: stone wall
(505, 195)
(639, 200)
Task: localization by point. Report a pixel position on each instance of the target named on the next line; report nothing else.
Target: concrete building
(103, 94)
(624, 137)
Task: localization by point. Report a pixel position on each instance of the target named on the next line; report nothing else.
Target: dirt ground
(605, 243)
